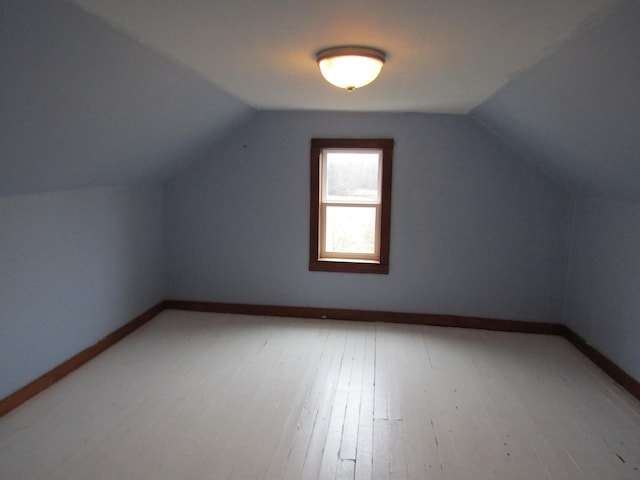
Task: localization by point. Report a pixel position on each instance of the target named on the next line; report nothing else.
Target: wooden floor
(211, 396)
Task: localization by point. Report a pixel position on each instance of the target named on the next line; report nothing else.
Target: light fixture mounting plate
(350, 50)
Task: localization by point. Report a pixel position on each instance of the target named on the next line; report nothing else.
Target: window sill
(348, 266)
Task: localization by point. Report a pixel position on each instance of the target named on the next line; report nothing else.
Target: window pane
(350, 230)
(352, 177)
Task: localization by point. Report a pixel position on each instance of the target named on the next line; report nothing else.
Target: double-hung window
(350, 205)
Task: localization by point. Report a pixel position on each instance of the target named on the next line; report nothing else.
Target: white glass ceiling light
(350, 67)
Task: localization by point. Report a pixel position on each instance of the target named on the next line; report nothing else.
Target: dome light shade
(350, 67)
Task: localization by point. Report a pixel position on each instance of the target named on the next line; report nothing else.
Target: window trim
(350, 265)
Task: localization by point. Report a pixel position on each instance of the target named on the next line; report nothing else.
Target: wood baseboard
(370, 316)
(603, 362)
(25, 393)
(609, 367)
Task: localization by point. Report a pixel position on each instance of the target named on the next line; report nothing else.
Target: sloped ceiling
(576, 114)
(97, 92)
(443, 56)
(82, 104)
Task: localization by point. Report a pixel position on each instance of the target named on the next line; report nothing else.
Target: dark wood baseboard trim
(25, 393)
(609, 367)
(625, 380)
(369, 316)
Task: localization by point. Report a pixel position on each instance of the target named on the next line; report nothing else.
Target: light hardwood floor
(212, 396)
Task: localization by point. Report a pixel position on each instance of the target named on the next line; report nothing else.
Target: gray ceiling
(102, 92)
(576, 114)
(444, 56)
(84, 105)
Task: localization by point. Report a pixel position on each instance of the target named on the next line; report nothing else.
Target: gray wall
(475, 231)
(83, 104)
(603, 288)
(576, 114)
(75, 265)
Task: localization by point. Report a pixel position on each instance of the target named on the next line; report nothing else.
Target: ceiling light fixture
(350, 67)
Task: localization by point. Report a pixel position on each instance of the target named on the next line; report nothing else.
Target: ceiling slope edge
(576, 114)
(85, 105)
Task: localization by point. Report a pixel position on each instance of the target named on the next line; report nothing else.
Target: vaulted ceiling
(119, 91)
(444, 56)
(576, 114)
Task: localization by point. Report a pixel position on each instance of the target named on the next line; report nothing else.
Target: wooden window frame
(354, 265)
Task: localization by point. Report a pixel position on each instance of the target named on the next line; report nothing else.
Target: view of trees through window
(351, 178)
(350, 229)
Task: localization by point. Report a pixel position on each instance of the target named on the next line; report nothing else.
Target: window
(350, 205)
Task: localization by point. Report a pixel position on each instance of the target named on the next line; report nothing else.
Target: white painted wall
(474, 230)
(75, 266)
